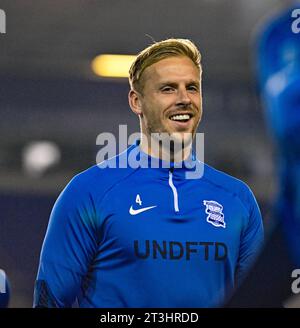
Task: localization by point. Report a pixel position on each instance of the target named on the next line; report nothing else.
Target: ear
(134, 102)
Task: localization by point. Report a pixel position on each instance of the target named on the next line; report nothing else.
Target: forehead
(172, 68)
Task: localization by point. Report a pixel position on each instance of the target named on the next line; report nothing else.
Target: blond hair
(158, 51)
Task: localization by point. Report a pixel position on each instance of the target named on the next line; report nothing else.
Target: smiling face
(171, 99)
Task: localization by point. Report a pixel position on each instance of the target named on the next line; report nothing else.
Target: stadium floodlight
(108, 65)
(38, 156)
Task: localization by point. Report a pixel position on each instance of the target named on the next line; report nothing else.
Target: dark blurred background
(53, 106)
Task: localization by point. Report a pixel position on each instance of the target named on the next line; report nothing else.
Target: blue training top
(148, 237)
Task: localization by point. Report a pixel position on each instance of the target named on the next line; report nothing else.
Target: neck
(165, 151)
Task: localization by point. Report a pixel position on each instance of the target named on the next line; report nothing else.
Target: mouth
(181, 118)
(182, 121)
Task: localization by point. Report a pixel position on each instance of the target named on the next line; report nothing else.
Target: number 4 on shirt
(138, 199)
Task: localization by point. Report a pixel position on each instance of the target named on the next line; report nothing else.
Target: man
(149, 236)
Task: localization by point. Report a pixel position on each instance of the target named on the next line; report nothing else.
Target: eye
(167, 89)
(192, 88)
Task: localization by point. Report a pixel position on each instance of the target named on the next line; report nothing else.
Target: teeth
(180, 117)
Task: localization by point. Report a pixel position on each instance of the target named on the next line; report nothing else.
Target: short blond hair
(158, 51)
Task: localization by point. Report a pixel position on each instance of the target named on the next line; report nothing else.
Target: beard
(161, 139)
(171, 146)
(157, 131)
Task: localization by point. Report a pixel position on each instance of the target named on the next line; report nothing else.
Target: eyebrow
(174, 84)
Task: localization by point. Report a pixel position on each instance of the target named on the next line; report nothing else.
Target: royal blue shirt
(148, 237)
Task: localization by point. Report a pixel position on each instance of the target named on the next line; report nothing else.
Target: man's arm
(69, 247)
(252, 238)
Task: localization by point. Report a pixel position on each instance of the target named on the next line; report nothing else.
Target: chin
(183, 139)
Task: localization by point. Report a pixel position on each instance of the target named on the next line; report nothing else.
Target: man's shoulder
(225, 181)
(101, 176)
(235, 187)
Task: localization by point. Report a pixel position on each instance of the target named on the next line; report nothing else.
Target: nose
(183, 99)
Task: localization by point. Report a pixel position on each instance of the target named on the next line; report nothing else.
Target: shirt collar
(147, 161)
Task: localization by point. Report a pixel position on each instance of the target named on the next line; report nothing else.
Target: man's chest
(151, 221)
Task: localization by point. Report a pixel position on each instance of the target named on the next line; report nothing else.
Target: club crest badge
(214, 213)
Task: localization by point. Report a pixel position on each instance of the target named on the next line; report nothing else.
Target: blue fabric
(277, 46)
(287, 208)
(282, 96)
(278, 71)
(4, 290)
(99, 253)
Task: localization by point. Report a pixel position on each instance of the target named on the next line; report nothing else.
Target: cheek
(198, 104)
(152, 116)
(154, 111)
